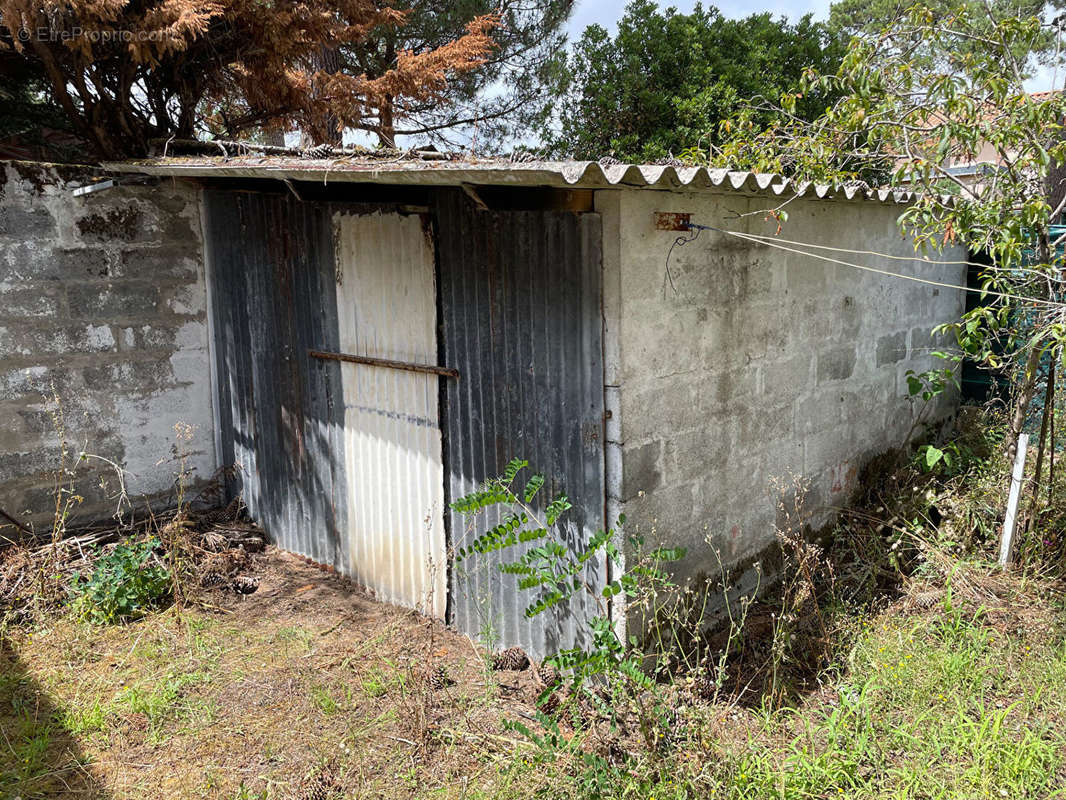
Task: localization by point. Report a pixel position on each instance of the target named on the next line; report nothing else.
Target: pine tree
(126, 72)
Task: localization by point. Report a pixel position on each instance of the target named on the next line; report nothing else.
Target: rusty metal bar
(447, 372)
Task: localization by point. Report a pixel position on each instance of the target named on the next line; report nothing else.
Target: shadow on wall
(39, 757)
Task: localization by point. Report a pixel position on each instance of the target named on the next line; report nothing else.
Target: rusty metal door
(521, 310)
(270, 283)
(387, 309)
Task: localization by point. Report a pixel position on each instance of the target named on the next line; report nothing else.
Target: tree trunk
(1049, 395)
(1027, 388)
(1022, 401)
(327, 60)
(1051, 449)
(386, 123)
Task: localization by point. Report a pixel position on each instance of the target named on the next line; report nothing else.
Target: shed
(388, 334)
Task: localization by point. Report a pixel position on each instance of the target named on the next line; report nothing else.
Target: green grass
(942, 710)
(965, 699)
(946, 705)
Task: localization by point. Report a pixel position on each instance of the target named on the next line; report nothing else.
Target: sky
(607, 12)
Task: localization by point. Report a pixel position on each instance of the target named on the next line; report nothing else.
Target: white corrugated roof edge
(563, 174)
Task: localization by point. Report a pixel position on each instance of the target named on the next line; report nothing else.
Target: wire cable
(755, 239)
(923, 259)
(680, 241)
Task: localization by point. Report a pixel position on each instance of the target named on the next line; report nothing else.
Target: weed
(294, 634)
(376, 683)
(322, 698)
(125, 584)
(90, 718)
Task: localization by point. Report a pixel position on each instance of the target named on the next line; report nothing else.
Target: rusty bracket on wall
(409, 366)
(672, 221)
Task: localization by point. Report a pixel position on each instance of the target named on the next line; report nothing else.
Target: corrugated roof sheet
(559, 174)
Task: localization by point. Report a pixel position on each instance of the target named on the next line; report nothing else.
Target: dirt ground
(306, 688)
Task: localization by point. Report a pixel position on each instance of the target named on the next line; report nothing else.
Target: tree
(486, 105)
(24, 98)
(663, 82)
(908, 120)
(129, 71)
(859, 17)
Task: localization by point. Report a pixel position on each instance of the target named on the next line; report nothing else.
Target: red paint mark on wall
(734, 532)
(842, 477)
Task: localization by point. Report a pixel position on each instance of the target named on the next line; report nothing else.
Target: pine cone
(551, 703)
(703, 687)
(548, 675)
(439, 678)
(320, 785)
(215, 542)
(245, 584)
(319, 151)
(513, 658)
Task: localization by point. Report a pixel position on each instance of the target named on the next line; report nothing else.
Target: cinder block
(764, 422)
(115, 301)
(836, 364)
(38, 460)
(699, 452)
(891, 348)
(32, 342)
(833, 406)
(101, 224)
(131, 377)
(158, 263)
(848, 316)
(641, 469)
(806, 276)
(664, 516)
(19, 300)
(789, 377)
(923, 343)
(31, 261)
(26, 223)
(32, 384)
(64, 257)
(651, 408)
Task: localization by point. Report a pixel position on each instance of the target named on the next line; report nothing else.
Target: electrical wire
(756, 239)
(923, 259)
(680, 241)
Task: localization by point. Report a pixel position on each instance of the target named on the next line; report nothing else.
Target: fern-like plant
(555, 571)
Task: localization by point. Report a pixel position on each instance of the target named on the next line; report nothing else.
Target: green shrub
(125, 584)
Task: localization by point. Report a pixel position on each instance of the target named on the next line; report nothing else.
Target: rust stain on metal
(672, 221)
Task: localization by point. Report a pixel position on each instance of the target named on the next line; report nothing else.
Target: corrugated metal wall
(280, 412)
(522, 321)
(518, 310)
(387, 308)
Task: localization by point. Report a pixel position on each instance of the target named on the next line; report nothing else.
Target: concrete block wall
(750, 370)
(102, 300)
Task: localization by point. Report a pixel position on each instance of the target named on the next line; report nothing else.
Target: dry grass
(306, 683)
(310, 689)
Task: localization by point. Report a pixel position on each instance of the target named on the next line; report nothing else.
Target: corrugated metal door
(522, 321)
(387, 308)
(270, 276)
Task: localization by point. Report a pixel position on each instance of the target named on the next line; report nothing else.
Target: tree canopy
(662, 83)
(486, 105)
(128, 72)
(873, 17)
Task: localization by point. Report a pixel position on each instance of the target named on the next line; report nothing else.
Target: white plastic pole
(1012, 500)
